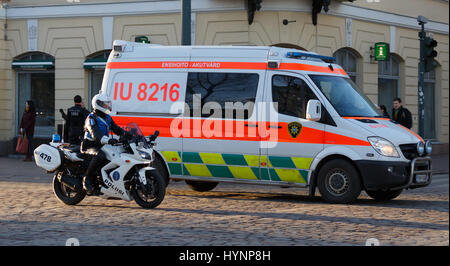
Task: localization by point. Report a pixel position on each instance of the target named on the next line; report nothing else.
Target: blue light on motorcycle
(56, 138)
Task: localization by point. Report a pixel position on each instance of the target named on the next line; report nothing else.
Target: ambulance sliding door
(223, 141)
(293, 141)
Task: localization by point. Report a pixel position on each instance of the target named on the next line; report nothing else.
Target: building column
(6, 105)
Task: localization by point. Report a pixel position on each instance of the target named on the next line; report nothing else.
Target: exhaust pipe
(72, 183)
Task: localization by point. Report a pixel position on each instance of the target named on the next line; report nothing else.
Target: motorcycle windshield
(134, 129)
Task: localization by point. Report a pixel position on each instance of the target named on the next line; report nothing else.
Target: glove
(112, 141)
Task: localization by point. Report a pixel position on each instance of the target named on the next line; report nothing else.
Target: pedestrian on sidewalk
(27, 127)
(383, 111)
(76, 116)
(401, 115)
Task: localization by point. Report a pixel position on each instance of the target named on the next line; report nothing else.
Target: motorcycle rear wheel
(158, 191)
(65, 194)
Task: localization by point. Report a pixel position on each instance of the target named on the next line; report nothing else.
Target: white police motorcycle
(128, 175)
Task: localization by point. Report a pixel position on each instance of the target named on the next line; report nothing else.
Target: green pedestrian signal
(429, 53)
(381, 51)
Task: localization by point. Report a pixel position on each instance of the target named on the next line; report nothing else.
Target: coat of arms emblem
(294, 129)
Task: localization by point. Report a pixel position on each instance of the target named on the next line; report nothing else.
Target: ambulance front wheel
(380, 195)
(201, 186)
(339, 181)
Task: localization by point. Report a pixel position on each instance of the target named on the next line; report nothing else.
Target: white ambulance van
(262, 115)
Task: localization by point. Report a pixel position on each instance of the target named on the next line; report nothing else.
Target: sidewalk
(16, 170)
(440, 163)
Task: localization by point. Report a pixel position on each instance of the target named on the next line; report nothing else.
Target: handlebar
(125, 138)
(154, 136)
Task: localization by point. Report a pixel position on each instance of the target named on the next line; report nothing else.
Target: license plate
(421, 178)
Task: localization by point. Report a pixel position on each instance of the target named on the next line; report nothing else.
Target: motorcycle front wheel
(153, 193)
(65, 194)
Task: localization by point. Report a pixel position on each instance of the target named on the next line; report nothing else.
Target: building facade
(51, 50)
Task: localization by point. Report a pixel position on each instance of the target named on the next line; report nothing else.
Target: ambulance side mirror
(313, 110)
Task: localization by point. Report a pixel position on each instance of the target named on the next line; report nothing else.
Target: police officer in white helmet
(97, 126)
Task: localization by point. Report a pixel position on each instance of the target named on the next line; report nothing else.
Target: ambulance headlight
(420, 148)
(145, 155)
(428, 147)
(383, 146)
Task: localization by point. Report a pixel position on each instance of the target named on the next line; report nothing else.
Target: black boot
(88, 186)
(97, 162)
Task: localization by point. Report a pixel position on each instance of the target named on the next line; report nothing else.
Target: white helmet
(102, 103)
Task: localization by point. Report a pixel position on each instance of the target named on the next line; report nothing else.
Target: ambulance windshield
(345, 96)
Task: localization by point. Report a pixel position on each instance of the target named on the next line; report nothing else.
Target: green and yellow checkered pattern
(240, 166)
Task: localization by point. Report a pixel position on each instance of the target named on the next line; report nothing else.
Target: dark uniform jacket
(97, 126)
(76, 116)
(403, 117)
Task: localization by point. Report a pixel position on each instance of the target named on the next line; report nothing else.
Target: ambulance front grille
(409, 151)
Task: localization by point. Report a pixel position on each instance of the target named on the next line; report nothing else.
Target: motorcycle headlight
(420, 148)
(383, 146)
(145, 155)
(428, 147)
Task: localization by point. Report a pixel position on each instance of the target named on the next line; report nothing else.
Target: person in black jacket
(76, 115)
(401, 115)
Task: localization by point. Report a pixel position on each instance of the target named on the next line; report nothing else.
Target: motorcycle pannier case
(47, 157)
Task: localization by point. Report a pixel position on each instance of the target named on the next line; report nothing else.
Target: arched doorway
(35, 80)
(95, 65)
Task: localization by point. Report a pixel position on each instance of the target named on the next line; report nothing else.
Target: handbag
(22, 145)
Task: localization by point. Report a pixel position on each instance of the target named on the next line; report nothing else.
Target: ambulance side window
(209, 94)
(292, 95)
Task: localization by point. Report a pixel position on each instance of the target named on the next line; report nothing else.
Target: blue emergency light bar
(56, 138)
(327, 59)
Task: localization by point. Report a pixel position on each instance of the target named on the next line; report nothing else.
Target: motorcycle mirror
(156, 133)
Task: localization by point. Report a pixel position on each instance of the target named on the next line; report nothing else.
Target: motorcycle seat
(73, 152)
(73, 148)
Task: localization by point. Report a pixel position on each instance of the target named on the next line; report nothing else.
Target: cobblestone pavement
(228, 215)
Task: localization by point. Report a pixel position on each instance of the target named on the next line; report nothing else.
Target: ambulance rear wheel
(380, 195)
(201, 186)
(339, 182)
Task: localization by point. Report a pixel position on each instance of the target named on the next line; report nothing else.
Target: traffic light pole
(422, 36)
(185, 22)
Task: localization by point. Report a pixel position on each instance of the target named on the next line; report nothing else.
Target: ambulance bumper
(378, 175)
